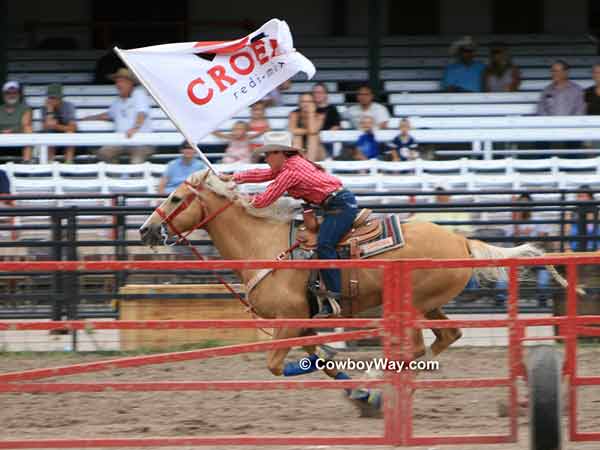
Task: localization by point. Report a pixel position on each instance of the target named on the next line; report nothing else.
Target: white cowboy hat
(466, 43)
(277, 141)
(11, 85)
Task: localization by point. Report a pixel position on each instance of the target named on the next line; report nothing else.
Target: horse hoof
(369, 406)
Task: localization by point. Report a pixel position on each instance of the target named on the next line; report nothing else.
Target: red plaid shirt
(298, 177)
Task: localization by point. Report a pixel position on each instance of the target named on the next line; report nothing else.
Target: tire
(544, 399)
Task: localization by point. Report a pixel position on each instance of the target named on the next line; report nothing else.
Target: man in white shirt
(130, 113)
(367, 107)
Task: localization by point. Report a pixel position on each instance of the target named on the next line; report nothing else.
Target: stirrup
(334, 309)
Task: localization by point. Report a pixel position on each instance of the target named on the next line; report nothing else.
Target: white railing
(480, 139)
(365, 176)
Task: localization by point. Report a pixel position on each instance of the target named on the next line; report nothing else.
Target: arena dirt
(297, 412)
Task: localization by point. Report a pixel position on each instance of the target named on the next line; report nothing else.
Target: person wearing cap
(15, 115)
(466, 74)
(58, 116)
(179, 169)
(290, 172)
(130, 113)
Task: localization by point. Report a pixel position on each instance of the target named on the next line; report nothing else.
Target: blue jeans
(339, 214)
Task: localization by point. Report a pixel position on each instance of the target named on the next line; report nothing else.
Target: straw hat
(123, 73)
(277, 141)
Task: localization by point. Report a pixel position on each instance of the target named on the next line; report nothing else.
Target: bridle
(167, 223)
(193, 195)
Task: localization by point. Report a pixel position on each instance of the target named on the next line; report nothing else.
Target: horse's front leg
(276, 358)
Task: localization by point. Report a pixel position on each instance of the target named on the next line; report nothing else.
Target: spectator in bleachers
(404, 146)
(501, 75)
(454, 215)
(466, 74)
(130, 114)
(591, 97)
(367, 107)
(15, 115)
(58, 116)
(562, 97)
(239, 149)
(331, 115)
(332, 119)
(259, 124)
(305, 123)
(586, 226)
(366, 146)
(5, 188)
(592, 94)
(179, 169)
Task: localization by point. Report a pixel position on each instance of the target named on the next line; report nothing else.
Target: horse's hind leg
(444, 337)
(276, 358)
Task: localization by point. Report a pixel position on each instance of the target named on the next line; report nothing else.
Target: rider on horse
(291, 172)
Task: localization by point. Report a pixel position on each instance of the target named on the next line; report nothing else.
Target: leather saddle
(364, 229)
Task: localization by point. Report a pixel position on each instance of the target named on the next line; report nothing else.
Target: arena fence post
(57, 277)
(120, 246)
(72, 292)
(397, 347)
(515, 355)
(391, 322)
(571, 346)
(407, 330)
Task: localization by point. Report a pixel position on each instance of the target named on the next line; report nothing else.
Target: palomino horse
(241, 232)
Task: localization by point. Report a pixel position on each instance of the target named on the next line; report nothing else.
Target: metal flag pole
(119, 52)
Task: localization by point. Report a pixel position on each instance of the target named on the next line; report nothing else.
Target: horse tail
(482, 250)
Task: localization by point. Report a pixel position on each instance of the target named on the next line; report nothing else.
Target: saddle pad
(391, 238)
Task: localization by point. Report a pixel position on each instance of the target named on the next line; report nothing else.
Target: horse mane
(282, 210)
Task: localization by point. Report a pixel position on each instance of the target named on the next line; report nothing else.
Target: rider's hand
(129, 133)
(226, 177)
(241, 197)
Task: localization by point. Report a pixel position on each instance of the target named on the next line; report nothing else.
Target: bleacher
(410, 68)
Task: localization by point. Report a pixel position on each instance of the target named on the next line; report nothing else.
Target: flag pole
(165, 109)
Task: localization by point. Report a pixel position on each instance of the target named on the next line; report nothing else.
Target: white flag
(199, 85)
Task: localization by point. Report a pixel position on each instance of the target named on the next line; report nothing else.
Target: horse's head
(182, 210)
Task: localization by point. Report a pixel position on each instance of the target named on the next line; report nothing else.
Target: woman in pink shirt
(303, 179)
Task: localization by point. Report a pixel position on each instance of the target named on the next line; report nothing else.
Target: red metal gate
(398, 318)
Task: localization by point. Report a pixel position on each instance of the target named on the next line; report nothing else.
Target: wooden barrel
(217, 304)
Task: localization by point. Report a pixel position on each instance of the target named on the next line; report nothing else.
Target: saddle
(364, 229)
(369, 236)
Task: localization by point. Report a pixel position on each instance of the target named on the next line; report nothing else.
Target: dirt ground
(296, 412)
